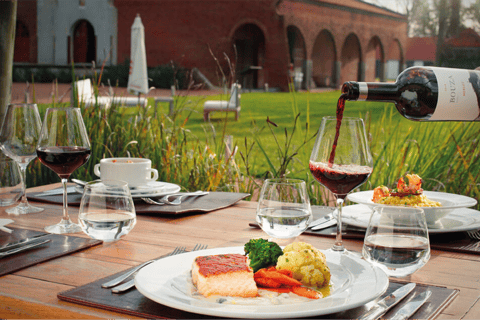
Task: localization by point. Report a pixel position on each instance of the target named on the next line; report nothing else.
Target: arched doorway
(374, 61)
(250, 44)
(84, 43)
(298, 55)
(350, 58)
(22, 43)
(324, 56)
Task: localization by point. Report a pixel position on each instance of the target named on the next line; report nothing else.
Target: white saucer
(151, 189)
(461, 219)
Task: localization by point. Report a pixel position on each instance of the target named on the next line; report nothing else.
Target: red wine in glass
(63, 160)
(340, 179)
(63, 147)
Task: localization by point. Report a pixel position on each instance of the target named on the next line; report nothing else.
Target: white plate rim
(364, 210)
(161, 271)
(150, 192)
(365, 197)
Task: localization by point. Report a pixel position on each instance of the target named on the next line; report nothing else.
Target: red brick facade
(326, 41)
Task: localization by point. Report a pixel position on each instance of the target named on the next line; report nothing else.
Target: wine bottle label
(458, 94)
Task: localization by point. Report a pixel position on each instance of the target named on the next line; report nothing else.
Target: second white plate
(461, 219)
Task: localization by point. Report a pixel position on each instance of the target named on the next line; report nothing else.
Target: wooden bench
(232, 105)
(86, 96)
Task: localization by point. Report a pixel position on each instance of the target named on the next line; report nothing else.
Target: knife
(55, 192)
(411, 306)
(20, 243)
(322, 220)
(389, 301)
(23, 248)
(325, 224)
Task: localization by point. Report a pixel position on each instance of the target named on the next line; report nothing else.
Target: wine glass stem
(23, 171)
(65, 205)
(338, 246)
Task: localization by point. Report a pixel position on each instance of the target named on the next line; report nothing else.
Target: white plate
(461, 219)
(449, 202)
(151, 189)
(165, 281)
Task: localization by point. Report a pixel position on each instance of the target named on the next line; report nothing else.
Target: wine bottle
(425, 93)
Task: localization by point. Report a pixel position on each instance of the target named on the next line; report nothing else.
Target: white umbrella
(137, 76)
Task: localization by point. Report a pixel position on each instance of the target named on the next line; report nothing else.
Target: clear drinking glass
(18, 139)
(107, 211)
(10, 181)
(283, 210)
(397, 240)
(63, 147)
(341, 161)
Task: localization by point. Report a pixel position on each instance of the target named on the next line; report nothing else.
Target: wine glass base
(64, 226)
(23, 209)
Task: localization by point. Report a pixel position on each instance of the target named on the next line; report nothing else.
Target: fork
(114, 282)
(129, 284)
(474, 234)
(177, 201)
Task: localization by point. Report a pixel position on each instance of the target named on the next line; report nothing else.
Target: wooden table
(32, 292)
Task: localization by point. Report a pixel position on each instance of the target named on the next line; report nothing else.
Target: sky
(392, 4)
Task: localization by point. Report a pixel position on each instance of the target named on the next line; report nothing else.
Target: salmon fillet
(225, 275)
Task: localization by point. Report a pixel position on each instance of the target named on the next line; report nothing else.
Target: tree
(8, 14)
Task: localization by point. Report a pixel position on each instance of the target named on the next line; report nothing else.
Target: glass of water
(397, 240)
(106, 210)
(283, 209)
(11, 187)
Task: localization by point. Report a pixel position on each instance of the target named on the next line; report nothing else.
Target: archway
(374, 61)
(22, 43)
(298, 55)
(324, 56)
(350, 58)
(84, 43)
(250, 43)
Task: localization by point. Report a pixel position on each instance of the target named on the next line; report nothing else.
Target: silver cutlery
(130, 284)
(325, 225)
(23, 248)
(177, 200)
(80, 182)
(20, 243)
(474, 234)
(55, 192)
(116, 281)
(411, 306)
(322, 220)
(388, 302)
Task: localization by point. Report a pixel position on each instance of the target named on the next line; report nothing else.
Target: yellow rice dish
(411, 200)
(404, 195)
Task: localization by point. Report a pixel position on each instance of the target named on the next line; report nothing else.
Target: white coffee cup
(135, 171)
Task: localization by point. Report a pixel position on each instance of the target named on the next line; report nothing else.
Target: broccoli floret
(262, 253)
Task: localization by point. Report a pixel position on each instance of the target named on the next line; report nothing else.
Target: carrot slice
(286, 272)
(267, 282)
(306, 292)
(283, 279)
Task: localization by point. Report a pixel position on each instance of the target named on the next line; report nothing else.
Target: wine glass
(341, 161)
(63, 147)
(18, 138)
(397, 240)
(283, 210)
(107, 211)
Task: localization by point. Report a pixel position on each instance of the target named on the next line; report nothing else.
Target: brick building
(327, 42)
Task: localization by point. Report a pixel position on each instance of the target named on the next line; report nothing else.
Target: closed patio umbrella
(137, 77)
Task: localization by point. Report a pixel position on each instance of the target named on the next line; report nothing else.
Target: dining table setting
(130, 245)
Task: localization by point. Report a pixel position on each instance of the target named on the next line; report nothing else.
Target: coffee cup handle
(96, 169)
(155, 174)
